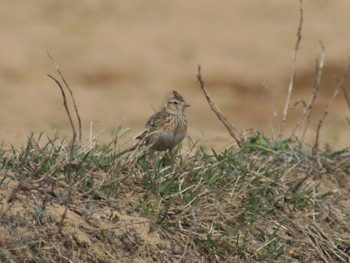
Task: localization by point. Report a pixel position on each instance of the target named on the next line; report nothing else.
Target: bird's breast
(167, 140)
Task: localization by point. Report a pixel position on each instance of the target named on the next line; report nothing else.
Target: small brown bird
(167, 128)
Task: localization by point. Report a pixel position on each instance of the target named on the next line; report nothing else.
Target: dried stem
(69, 116)
(346, 96)
(275, 114)
(64, 215)
(14, 192)
(339, 87)
(70, 92)
(216, 110)
(188, 237)
(293, 74)
(315, 88)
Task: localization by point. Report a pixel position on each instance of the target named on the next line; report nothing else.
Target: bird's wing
(151, 125)
(154, 121)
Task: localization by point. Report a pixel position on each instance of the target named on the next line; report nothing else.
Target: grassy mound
(266, 202)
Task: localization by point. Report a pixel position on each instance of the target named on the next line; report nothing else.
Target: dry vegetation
(268, 200)
(265, 200)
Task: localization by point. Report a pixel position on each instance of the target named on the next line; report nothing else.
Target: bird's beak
(187, 105)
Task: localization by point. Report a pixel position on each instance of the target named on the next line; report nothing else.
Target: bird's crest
(178, 96)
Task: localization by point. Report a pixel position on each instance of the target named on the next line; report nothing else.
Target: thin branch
(60, 224)
(346, 96)
(193, 225)
(214, 107)
(69, 116)
(297, 103)
(293, 74)
(116, 227)
(339, 87)
(275, 113)
(14, 192)
(119, 132)
(315, 88)
(70, 92)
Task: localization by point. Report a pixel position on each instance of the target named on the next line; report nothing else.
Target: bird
(167, 128)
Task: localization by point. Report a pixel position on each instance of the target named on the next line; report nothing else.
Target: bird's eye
(175, 103)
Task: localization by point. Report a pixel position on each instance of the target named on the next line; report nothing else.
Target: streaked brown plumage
(167, 128)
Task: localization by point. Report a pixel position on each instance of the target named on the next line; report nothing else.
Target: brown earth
(120, 57)
(136, 238)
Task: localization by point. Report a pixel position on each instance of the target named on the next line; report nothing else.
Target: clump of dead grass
(57, 210)
(267, 201)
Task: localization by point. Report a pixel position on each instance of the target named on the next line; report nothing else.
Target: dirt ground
(122, 58)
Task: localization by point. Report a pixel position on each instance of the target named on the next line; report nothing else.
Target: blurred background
(123, 58)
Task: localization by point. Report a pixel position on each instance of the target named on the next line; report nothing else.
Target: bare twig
(64, 215)
(14, 192)
(193, 225)
(90, 137)
(346, 96)
(297, 103)
(6, 210)
(70, 92)
(315, 88)
(347, 99)
(313, 241)
(69, 116)
(214, 107)
(119, 132)
(116, 227)
(339, 87)
(293, 74)
(314, 202)
(275, 114)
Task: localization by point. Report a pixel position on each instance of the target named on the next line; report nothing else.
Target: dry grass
(267, 202)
